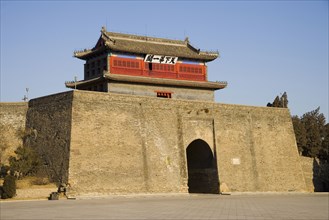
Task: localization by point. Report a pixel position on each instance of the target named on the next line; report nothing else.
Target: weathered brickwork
(12, 123)
(131, 144)
(105, 143)
(176, 93)
(257, 149)
(125, 146)
(316, 173)
(49, 119)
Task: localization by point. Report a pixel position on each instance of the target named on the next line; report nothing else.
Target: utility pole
(26, 97)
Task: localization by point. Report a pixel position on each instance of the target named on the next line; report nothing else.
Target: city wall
(103, 143)
(49, 120)
(131, 144)
(316, 173)
(177, 93)
(12, 125)
(257, 150)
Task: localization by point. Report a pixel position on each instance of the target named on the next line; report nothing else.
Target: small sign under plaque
(235, 161)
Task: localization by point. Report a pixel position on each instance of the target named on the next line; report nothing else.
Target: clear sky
(266, 47)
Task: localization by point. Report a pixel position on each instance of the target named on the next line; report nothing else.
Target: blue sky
(266, 47)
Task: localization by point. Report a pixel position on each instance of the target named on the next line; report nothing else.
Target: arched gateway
(202, 168)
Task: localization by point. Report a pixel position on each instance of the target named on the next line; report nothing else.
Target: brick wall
(12, 121)
(316, 173)
(122, 146)
(130, 144)
(49, 118)
(177, 93)
(105, 143)
(257, 149)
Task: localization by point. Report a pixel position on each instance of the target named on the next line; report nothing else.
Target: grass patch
(34, 182)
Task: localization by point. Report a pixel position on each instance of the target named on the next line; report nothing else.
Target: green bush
(1, 191)
(26, 162)
(9, 187)
(4, 170)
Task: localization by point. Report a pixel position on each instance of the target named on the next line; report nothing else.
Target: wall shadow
(320, 175)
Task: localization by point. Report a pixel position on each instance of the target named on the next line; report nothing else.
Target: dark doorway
(202, 168)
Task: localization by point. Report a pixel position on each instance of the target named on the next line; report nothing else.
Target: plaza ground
(192, 206)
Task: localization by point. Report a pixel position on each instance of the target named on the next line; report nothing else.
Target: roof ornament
(187, 41)
(108, 40)
(103, 29)
(111, 41)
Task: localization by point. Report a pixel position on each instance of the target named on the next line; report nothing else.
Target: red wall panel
(136, 67)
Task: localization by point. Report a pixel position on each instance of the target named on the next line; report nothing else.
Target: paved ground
(274, 206)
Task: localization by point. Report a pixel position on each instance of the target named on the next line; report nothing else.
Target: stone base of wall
(12, 124)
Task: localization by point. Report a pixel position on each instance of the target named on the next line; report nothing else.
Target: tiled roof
(166, 82)
(147, 45)
(152, 81)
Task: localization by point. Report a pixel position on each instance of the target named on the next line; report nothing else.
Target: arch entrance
(202, 168)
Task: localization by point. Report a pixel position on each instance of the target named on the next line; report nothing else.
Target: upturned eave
(166, 82)
(208, 85)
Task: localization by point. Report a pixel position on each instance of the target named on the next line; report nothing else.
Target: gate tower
(147, 66)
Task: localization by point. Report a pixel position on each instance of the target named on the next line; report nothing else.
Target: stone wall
(257, 150)
(307, 166)
(121, 144)
(105, 143)
(316, 173)
(49, 119)
(149, 90)
(135, 144)
(12, 125)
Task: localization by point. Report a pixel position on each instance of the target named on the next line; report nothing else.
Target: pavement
(190, 206)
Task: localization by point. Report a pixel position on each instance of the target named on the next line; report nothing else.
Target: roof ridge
(131, 43)
(145, 38)
(151, 42)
